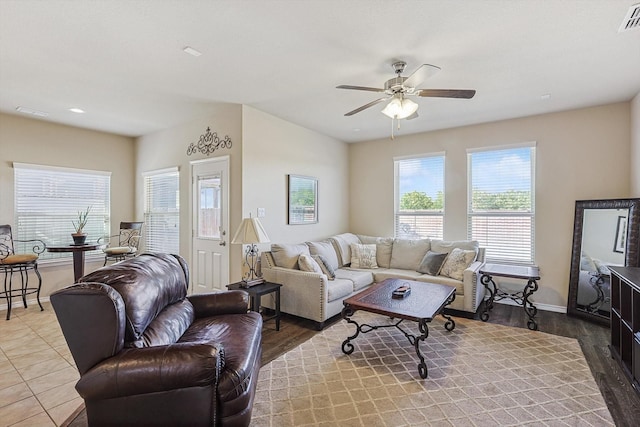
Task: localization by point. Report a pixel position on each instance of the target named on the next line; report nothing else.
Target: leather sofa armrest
(151, 370)
(228, 302)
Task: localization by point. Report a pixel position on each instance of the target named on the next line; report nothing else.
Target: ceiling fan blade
(447, 93)
(364, 107)
(421, 74)
(370, 89)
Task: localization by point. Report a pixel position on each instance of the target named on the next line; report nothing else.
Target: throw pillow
(363, 256)
(325, 266)
(325, 249)
(431, 263)
(457, 262)
(384, 246)
(307, 263)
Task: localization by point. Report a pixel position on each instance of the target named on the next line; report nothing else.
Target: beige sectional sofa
(358, 261)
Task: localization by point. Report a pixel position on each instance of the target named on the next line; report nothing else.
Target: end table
(255, 294)
(529, 273)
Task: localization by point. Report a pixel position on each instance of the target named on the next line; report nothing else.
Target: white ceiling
(122, 61)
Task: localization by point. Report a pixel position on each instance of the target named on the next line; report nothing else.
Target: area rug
(480, 374)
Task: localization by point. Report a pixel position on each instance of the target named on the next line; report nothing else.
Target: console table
(529, 273)
(625, 321)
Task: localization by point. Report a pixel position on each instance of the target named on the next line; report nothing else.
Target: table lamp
(249, 233)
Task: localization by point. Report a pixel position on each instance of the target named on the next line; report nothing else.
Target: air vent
(32, 111)
(631, 19)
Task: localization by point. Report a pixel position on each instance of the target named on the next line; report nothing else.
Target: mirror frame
(631, 258)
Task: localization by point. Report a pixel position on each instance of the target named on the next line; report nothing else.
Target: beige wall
(168, 148)
(40, 142)
(274, 148)
(635, 146)
(581, 154)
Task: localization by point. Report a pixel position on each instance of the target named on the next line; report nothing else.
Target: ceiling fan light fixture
(400, 108)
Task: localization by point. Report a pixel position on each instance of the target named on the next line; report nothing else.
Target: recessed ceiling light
(545, 96)
(32, 112)
(76, 110)
(192, 51)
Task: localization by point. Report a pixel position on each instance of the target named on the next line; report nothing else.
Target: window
(501, 202)
(419, 197)
(162, 211)
(48, 199)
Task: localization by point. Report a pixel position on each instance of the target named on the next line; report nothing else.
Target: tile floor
(37, 371)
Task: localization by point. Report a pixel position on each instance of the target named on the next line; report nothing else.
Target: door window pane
(209, 215)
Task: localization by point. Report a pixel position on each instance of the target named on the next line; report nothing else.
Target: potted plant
(79, 236)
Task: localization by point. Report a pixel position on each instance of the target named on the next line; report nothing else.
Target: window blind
(419, 197)
(501, 214)
(162, 211)
(48, 199)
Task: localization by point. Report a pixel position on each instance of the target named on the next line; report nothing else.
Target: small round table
(78, 255)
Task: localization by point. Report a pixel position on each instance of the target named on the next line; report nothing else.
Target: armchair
(12, 262)
(149, 355)
(128, 240)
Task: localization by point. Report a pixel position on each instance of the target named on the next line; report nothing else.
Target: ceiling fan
(399, 88)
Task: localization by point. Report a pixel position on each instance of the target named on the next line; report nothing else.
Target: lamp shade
(400, 108)
(250, 231)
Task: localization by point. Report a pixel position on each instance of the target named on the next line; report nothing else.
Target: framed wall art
(302, 197)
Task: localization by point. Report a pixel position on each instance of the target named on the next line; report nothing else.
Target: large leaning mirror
(605, 233)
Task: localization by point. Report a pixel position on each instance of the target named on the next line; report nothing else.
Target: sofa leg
(319, 326)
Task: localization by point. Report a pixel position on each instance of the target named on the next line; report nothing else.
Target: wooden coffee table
(425, 302)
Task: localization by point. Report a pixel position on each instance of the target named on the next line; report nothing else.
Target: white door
(210, 236)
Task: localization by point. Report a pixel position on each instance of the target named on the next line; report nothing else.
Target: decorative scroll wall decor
(208, 143)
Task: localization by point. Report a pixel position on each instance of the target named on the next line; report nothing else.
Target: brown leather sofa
(149, 355)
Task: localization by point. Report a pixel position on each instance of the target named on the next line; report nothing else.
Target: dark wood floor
(622, 400)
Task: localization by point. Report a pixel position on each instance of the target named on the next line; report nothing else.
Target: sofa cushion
(442, 280)
(431, 263)
(447, 246)
(395, 273)
(325, 266)
(457, 262)
(360, 279)
(363, 256)
(307, 263)
(339, 288)
(286, 255)
(327, 250)
(407, 254)
(342, 243)
(384, 246)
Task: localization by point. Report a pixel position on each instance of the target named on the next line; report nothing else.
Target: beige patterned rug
(481, 374)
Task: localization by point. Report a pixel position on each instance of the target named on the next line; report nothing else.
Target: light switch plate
(261, 212)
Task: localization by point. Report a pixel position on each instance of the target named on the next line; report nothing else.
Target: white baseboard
(544, 307)
(17, 303)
